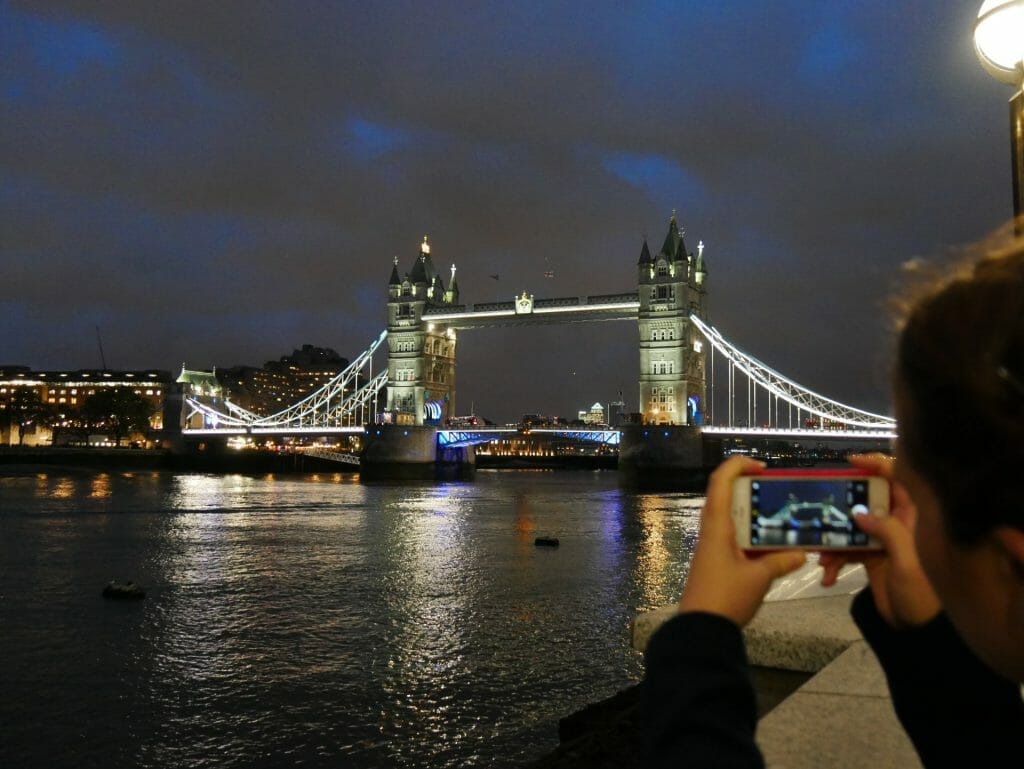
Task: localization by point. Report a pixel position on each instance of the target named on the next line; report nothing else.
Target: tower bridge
(425, 316)
(405, 408)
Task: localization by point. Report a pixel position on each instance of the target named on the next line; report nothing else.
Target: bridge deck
(541, 312)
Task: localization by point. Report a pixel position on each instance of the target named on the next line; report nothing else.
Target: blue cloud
(58, 49)
(367, 140)
(829, 53)
(662, 178)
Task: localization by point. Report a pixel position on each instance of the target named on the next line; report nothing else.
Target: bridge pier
(667, 457)
(400, 452)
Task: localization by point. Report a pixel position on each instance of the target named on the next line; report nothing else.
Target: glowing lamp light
(999, 43)
(999, 39)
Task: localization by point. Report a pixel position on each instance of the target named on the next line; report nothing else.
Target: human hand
(903, 595)
(723, 579)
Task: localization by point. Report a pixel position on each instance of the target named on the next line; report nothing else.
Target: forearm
(699, 704)
(953, 707)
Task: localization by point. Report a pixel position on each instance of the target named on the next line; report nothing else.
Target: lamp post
(999, 43)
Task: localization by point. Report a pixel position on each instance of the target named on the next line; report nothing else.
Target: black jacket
(699, 707)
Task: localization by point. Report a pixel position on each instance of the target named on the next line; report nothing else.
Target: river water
(315, 621)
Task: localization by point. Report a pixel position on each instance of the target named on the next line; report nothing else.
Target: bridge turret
(421, 352)
(671, 364)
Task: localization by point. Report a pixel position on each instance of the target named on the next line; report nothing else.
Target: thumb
(888, 530)
(781, 564)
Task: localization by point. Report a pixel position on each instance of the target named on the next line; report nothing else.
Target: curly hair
(960, 382)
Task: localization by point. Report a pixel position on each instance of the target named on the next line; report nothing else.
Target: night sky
(219, 183)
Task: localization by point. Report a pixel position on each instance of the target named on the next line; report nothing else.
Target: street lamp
(999, 43)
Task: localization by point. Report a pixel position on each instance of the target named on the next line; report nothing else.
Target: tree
(25, 408)
(119, 411)
(63, 419)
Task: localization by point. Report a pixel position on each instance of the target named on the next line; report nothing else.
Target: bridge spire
(670, 247)
(452, 295)
(645, 255)
(700, 271)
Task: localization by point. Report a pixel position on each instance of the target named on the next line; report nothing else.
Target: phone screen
(801, 511)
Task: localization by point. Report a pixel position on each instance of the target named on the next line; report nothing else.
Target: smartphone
(810, 510)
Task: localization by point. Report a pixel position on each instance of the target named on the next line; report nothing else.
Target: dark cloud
(219, 183)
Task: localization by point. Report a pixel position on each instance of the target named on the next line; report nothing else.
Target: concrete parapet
(801, 625)
(804, 634)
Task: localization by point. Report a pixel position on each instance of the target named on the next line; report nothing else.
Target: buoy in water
(129, 589)
(546, 542)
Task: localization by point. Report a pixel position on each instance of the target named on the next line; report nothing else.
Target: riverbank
(248, 462)
(15, 459)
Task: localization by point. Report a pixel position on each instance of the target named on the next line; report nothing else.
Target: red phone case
(821, 472)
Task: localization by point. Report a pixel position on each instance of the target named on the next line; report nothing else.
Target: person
(944, 607)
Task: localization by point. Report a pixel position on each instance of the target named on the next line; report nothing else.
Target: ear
(1011, 540)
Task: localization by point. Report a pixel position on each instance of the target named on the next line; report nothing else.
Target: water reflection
(430, 614)
(311, 622)
(670, 524)
(100, 487)
(63, 488)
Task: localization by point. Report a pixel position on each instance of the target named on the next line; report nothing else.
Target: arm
(698, 703)
(698, 700)
(955, 710)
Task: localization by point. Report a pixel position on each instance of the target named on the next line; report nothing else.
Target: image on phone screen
(792, 512)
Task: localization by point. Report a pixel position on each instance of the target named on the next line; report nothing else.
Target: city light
(999, 39)
(999, 43)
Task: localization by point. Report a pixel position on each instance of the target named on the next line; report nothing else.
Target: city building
(281, 383)
(595, 415)
(54, 397)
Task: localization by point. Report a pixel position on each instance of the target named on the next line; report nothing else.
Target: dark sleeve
(698, 702)
(956, 710)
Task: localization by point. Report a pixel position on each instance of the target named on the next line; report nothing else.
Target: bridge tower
(421, 354)
(672, 285)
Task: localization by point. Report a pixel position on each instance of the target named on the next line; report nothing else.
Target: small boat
(129, 590)
(546, 542)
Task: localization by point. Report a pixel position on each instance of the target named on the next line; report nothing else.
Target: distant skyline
(222, 184)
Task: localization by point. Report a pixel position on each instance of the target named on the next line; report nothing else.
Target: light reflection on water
(317, 621)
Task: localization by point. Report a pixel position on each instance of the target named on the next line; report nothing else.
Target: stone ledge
(803, 634)
(841, 718)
